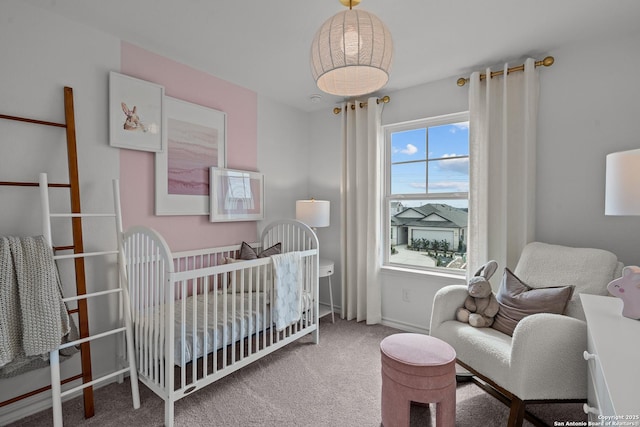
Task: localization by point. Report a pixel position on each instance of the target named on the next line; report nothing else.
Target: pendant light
(351, 53)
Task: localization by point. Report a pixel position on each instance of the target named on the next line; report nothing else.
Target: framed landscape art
(135, 113)
(236, 195)
(195, 141)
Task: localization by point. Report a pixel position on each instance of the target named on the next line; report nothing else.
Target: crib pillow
(249, 253)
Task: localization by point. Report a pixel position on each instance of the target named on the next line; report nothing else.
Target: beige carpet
(335, 383)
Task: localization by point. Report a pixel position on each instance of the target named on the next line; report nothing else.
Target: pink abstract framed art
(195, 141)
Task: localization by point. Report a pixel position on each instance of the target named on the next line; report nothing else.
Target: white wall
(325, 171)
(588, 108)
(40, 55)
(282, 157)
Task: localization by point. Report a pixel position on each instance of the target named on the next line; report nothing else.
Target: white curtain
(361, 224)
(502, 144)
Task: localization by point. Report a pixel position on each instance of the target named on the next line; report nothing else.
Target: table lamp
(622, 197)
(622, 189)
(314, 213)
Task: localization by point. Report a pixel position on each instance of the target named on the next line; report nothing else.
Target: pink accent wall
(137, 178)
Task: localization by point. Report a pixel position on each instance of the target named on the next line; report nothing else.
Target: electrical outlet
(405, 295)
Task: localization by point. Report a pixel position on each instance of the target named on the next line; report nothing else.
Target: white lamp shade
(314, 213)
(622, 192)
(351, 54)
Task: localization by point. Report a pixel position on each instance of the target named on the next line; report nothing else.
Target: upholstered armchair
(543, 359)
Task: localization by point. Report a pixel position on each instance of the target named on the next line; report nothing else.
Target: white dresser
(613, 355)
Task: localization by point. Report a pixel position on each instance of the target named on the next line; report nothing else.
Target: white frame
(148, 99)
(183, 204)
(388, 197)
(217, 204)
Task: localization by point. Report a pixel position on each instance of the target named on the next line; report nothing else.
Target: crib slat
(205, 325)
(216, 336)
(225, 329)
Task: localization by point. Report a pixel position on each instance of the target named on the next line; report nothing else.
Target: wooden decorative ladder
(80, 277)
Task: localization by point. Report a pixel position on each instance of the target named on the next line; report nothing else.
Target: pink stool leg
(396, 407)
(446, 408)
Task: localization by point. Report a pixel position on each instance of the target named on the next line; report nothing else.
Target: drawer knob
(590, 409)
(588, 356)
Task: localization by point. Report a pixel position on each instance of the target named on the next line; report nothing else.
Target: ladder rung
(31, 184)
(82, 215)
(92, 337)
(91, 295)
(63, 248)
(97, 380)
(36, 121)
(40, 390)
(84, 255)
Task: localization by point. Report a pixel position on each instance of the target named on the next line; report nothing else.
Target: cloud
(459, 126)
(449, 187)
(454, 165)
(409, 150)
(442, 186)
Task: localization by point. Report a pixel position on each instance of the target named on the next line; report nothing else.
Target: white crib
(181, 346)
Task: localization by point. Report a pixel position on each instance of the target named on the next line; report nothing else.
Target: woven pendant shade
(351, 54)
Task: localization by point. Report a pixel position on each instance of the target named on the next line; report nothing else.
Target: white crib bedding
(244, 321)
(238, 324)
(235, 326)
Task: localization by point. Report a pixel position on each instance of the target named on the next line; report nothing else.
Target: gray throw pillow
(518, 300)
(248, 253)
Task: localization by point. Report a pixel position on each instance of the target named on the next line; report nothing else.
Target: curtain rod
(547, 62)
(385, 99)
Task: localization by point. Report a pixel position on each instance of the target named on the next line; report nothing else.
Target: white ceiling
(264, 45)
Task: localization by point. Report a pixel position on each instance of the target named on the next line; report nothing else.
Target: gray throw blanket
(33, 317)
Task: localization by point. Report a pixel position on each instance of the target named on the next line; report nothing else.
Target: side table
(326, 270)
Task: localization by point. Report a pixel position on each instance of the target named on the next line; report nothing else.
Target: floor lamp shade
(314, 213)
(622, 192)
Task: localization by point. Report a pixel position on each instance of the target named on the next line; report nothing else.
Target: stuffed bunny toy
(481, 305)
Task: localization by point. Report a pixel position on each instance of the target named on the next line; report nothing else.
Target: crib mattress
(248, 318)
(243, 322)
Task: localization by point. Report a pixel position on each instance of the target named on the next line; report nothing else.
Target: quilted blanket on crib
(287, 273)
(33, 317)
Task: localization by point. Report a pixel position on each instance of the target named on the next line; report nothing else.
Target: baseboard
(25, 407)
(392, 323)
(38, 403)
(404, 326)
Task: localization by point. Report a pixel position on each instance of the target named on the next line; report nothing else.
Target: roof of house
(451, 217)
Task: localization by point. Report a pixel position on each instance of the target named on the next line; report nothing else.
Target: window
(426, 200)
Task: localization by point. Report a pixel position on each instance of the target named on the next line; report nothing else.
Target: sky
(446, 173)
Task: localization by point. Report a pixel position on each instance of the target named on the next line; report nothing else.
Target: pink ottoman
(417, 368)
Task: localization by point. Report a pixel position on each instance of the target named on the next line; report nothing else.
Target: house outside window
(427, 192)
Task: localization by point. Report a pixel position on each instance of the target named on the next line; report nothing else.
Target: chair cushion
(517, 300)
(542, 265)
(486, 350)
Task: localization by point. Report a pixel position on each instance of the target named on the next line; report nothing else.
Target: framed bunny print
(135, 113)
